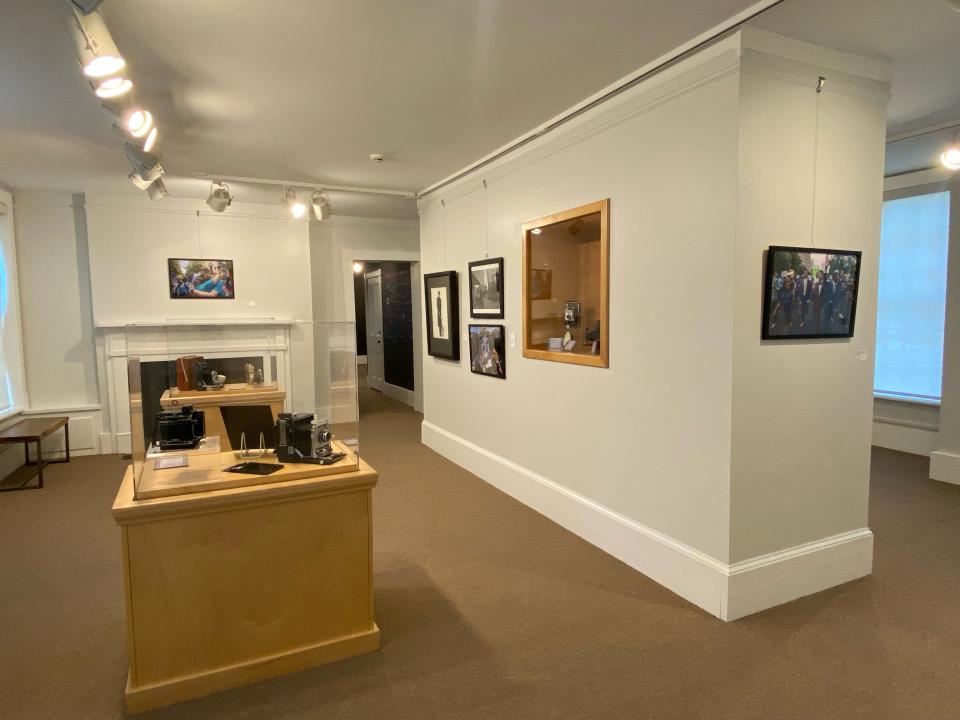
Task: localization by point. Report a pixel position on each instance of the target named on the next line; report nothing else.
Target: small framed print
(487, 356)
(442, 305)
(486, 288)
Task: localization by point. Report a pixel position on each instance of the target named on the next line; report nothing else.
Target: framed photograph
(200, 279)
(442, 304)
(540, 284)
(486, 351)
(486, 288)
(809, 293)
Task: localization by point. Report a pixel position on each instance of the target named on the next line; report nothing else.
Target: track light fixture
(157, 190)
(320, 205)
(97, 53)
(138, 122)
(220, 197)
(146, 168)
(290, 201)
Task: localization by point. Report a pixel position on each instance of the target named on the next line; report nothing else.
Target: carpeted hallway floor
(488, 610)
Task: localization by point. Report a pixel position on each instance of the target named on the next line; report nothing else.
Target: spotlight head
(290, 201)
(145, 167)
(113, 87)
(320, 205)
(138, 122)
(950, 158)
(157, 190)
(97, 53)
(220, 197)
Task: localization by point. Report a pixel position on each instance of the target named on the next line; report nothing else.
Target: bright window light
(912, 295)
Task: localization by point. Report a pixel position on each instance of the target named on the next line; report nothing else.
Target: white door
(374, 309)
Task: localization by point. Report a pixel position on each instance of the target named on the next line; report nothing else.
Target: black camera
(206, 378)
(181, 429)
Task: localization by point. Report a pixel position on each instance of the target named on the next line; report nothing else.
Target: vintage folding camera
(302, 439)
(180, 429)
(206, 377)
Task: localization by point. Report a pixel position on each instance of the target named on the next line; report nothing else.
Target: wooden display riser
(233, 586)
(207, 472)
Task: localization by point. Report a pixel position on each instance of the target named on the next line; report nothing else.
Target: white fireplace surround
(152, 342)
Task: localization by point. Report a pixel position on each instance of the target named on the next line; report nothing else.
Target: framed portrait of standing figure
(486, 288)
(442, 303)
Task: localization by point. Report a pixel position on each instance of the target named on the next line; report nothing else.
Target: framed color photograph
(196, 279)
(486, 288)
(809, 293)
(486, 351)
(443, 314)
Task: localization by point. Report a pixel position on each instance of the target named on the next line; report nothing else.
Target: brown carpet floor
(489, 610)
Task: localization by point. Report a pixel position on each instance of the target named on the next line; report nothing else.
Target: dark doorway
(397, 311)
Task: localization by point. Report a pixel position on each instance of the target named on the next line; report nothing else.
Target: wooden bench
(32, 430)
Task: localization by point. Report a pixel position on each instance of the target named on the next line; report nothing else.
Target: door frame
(378, 274)
(348, 257)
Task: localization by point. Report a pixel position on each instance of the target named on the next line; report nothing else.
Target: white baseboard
(769, 580)
(904, 438)
(726, 591)
(945, 466)
(407, 397)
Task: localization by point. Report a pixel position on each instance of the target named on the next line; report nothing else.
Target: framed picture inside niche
(809, 293)
(442, 305)
(487, 356)
(486, 288)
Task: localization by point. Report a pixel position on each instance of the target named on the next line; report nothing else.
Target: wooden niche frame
(602, 359)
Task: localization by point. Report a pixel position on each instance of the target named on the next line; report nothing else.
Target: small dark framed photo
(487, 356)
(442, 306)
(486, 288)
(809, 293)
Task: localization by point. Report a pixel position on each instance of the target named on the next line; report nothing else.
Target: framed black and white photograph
(486, 351)
(486, 288)
(200, 279)
(443, 314)
(809, 293)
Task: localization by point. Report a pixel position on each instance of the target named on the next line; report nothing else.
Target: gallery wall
(130, 239)
(646, 436)
(658, 457)
(803, 411)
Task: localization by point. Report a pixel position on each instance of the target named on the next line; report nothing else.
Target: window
(912, 297)
(11, 362)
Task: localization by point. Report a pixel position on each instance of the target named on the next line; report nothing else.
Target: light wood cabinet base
(151, 697)
(233, 586)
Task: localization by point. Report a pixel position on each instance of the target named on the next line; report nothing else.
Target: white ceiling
(920, 38)
(307, 89)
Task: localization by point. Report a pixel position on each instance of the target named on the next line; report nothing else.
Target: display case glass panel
(205, 399)
(566, 286)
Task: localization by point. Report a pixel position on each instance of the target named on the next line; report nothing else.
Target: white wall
(639, 458)
(130, 239)
(810, 175)
(945, 459)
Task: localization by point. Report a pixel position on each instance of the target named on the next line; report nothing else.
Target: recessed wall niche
(566, 286)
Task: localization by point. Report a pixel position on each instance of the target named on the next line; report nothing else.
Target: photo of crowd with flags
(811, 293)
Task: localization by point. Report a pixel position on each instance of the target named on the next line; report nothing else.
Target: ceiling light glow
(139, 123)
(151, 140)
(290, 201)
(97, 53)
(950, 158)
(537, 231)
(113, 87)
(358, 268)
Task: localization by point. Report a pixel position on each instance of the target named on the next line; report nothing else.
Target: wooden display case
(566, 259)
